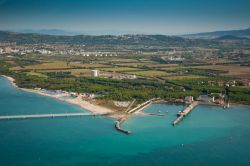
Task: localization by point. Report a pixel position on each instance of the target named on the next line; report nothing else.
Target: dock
(36, 116)
(130, 105)
(142, 106)
(185, 112)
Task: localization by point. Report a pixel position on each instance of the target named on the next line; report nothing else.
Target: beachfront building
(206, 99)
(189, 99)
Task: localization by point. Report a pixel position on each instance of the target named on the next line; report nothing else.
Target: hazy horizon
(74, 33)
(167, 17)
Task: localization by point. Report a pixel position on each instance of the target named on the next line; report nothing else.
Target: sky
(170, 17)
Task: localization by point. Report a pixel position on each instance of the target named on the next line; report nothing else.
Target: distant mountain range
(212, 38)
(216, 34)
(206, 35)
(57, 32)
(35, 38)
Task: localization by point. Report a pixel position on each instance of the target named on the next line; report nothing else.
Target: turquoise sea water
(209, 136)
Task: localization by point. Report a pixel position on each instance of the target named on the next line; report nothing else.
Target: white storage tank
(94, 73)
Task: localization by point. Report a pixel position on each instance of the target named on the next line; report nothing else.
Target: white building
(189, 99)
(1, 50)
(94, 73)
(44, 52)
(7, 50)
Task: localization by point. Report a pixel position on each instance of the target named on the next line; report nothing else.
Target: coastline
(78, 101)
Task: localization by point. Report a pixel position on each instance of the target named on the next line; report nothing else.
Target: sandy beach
(78, 101)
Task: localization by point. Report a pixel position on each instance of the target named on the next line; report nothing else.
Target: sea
(209, 136)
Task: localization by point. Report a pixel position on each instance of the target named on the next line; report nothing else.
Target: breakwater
(118, 125)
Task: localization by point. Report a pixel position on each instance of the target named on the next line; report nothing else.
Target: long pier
(130, 105)
(185, 112)
(35, 116)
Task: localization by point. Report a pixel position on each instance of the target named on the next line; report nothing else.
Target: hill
(145, 40)
(216, 34)
(49, 32)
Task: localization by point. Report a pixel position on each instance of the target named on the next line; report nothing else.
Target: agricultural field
(87, 65)
(122, 60)
(137, 64)
(149, 73)
(120, 69)
(235, 71)
(152, 79)
(172, 68)
(44, 66)
(75, 72)
(162, 65)
(37, 74)
(183, 77)
(57, 65)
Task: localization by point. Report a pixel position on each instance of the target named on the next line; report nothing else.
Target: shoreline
(78, 101)
(96, 109)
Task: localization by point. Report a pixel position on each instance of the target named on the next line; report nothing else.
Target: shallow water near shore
(208, 136)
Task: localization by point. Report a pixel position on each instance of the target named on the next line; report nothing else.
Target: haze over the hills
(134, 39)
(48, 32)
(96, 17)
(215, 34)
